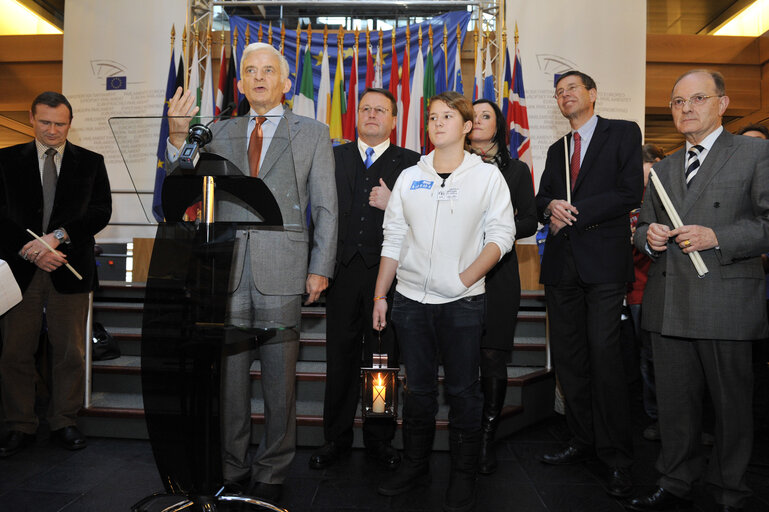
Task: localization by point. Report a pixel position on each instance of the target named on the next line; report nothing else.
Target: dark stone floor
(112, 474)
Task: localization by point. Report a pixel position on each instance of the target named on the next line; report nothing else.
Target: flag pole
(282, 37)
(247, 36)
(259, 34)
(186, 56)
(458, 64)
(269, 34)
(298, 47)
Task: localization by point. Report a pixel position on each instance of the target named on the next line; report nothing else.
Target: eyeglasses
(570, 89)
(380, 111)
(695, 101)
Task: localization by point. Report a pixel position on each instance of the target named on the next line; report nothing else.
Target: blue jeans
(452, 330)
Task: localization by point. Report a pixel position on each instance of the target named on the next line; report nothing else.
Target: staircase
(116, 402)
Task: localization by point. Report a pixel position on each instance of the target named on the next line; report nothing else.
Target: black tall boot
(414, 469)
(493, 399)
(464, 446)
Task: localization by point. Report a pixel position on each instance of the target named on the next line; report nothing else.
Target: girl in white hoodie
(449, 220)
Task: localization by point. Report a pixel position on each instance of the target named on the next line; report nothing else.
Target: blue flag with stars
(160, 171)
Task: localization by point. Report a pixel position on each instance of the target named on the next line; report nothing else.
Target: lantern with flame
(380, 389)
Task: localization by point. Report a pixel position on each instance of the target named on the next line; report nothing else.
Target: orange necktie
(255, 146)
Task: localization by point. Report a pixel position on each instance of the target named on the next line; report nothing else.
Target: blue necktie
(369, 157)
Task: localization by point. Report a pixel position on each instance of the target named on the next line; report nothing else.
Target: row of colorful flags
(336, 105)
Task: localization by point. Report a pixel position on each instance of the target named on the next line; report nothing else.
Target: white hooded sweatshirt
(436, 229)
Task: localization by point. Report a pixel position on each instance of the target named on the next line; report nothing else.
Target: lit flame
(379, 379)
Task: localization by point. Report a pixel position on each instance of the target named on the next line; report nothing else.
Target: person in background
(761, 347)
(448, 222)
(641, 261)
(503, 284)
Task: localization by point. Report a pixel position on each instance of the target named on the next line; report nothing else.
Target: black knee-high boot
(493, 399)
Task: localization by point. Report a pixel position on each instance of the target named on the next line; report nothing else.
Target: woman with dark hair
(503, 285)
(448, 221)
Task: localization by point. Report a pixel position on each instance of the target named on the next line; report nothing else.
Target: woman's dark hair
(501, 136)
(651, 153)
(755, 128)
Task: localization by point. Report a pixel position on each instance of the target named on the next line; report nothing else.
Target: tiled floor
(111, 475)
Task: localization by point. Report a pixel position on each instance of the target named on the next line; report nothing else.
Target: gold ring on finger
(687, 243)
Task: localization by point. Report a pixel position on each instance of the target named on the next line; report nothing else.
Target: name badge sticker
(419, 184)
(447, 194)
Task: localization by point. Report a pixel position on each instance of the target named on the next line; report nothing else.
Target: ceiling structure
(663, 17)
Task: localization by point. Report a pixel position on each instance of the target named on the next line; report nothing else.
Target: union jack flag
(514, 110)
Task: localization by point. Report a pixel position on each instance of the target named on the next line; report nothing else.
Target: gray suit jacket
(279, 259)
(729, 194)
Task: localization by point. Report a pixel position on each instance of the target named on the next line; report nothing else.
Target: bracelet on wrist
(383, 297)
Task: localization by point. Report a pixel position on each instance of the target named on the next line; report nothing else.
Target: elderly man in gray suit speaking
(702, 328)
(270, 271)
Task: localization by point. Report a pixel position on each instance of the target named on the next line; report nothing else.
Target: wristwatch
(60, 236)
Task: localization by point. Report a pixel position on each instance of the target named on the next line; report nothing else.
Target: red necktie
(575, 159)
(255, 147)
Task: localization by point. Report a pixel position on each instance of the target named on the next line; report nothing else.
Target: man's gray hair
(261, 47)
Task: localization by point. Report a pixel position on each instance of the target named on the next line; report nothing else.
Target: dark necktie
(255, 146)
(692, 163)
(575, 159)
(49, 186)
(369, 157)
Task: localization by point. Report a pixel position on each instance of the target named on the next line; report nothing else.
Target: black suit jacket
(82, 206)
(609, 185)
(348, 162)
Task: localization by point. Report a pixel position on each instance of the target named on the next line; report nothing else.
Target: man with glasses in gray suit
(271, 269)
(702, 328)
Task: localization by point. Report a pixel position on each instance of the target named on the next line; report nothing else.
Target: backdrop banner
(115, 63)
(604, 38)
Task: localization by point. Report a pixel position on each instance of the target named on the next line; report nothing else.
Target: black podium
(185, 321)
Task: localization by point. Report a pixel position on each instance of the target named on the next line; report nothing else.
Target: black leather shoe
(14, 442)
(728, 508)
(659, 500)
(266, 492)
(569, 455)
(383, 453)
(70, 438)
(618, 483)
(327, 455)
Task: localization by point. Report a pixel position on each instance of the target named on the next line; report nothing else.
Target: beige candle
(379, 395)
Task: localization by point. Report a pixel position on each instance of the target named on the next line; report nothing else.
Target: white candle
(379, 396)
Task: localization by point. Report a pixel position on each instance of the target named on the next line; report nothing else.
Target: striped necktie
(692, 163)
(575, 159)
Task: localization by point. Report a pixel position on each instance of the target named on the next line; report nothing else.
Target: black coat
(82, 206)
(503, 283)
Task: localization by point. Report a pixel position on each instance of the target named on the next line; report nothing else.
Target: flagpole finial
(282, 36)
(340, 40)
(259, 34)
(420, 35)
(269, 34)
(325, 36)
(173, 33)
(248, 35)
(235, 36)
(516, 34)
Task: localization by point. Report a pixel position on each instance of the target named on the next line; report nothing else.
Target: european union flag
(116, 83)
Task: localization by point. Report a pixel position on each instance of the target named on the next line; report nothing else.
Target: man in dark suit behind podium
(702, 328)
(271, 269)
(366, 170)
(586, 266)
(61, 192)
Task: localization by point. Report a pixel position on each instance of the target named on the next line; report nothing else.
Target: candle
(697, 261)
(379, 395)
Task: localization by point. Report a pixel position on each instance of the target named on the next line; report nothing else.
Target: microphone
(199, 136)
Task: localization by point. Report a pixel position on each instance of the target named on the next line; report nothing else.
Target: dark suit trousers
(350, 341)
(587, 355)
(683, 368)
(66, 315)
